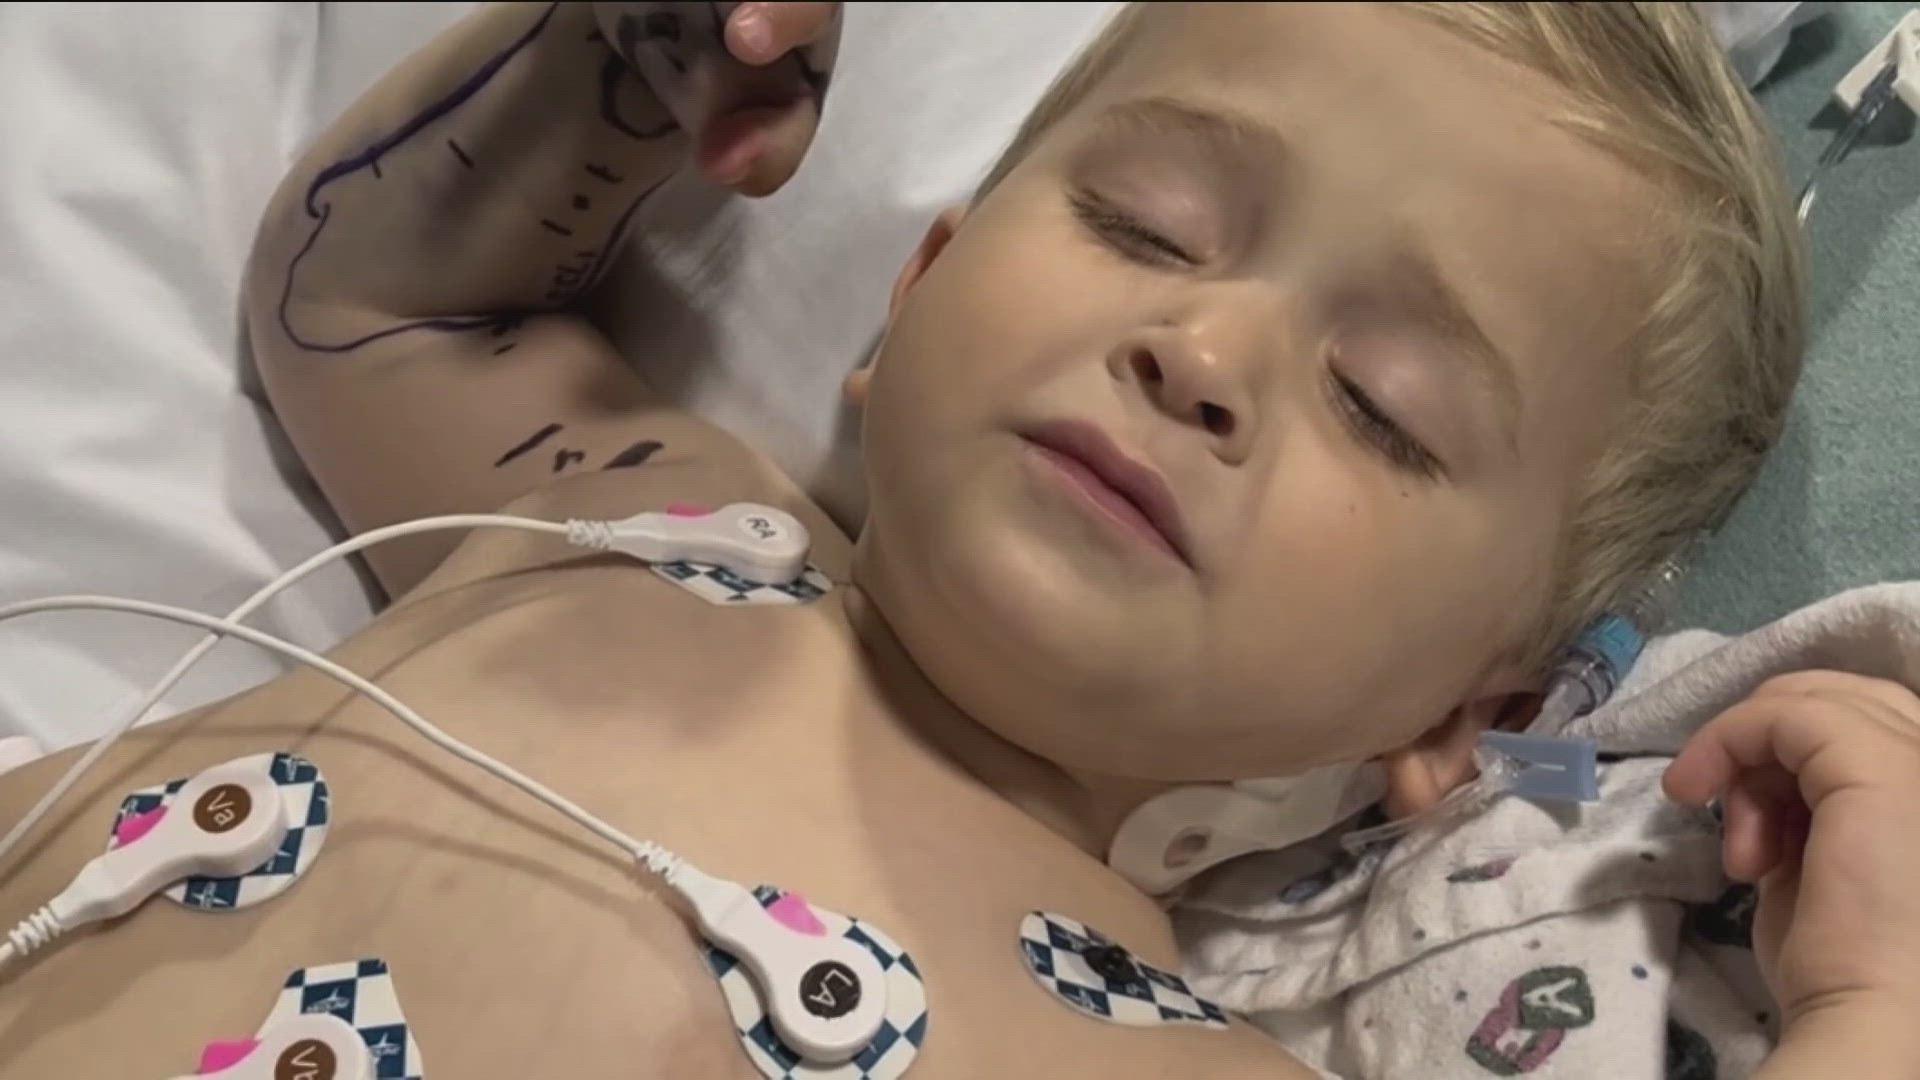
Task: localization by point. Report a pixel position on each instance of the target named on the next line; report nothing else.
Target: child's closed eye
(1127, 233)
(1377, 428)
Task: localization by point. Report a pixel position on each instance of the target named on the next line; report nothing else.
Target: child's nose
(1193, 383)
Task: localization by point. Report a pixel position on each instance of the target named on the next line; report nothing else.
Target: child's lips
(1110, 502)
(1127, 493)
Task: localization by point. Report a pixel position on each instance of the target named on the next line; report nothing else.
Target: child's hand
(1819, 777)
(749, 90)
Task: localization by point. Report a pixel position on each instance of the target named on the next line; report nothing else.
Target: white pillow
(139, 144)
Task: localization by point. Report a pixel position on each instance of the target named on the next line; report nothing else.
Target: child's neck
(1083, 809)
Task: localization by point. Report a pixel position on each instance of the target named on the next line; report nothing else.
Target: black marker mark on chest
(565, 458)
(459, 153)
(637, 454)
(530, 443)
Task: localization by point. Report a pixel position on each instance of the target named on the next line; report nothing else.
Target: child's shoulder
(683, 460)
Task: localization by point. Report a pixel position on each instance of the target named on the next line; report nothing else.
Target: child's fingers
(1828, 744)
(760, 131)
(760, 33)
(730, 144)
(1759, 809)
(755, 150)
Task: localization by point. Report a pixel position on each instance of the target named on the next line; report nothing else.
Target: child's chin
(1040, 605)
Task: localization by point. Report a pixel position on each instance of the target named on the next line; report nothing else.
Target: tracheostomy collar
(1175, 835)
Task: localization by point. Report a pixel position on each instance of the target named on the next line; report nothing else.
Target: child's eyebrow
(1236, 136)
(1423, 285)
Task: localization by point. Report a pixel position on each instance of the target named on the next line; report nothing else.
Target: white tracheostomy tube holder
(1175, 835)
(1179, 833)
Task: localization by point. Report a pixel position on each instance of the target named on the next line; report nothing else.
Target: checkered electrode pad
(718, 585)
(1085, 969)
(305, 802)
(361, 993)
(902, 1030)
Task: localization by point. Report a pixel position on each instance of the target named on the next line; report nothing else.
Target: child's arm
(1851, 1043)
(1819, 777)
(412, 289)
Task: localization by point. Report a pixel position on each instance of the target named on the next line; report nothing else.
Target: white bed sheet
(137, 144)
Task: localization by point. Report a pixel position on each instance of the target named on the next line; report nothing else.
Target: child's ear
(1422, 772)
(854, 388)
(931, 245)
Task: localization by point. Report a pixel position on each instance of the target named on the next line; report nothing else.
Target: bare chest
(519, 944)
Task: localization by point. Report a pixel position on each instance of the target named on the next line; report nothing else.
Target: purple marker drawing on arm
(322, 212)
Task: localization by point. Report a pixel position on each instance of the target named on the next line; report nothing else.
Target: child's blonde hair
(1718, 350)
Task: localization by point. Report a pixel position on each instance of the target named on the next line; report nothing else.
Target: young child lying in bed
(1300, 380)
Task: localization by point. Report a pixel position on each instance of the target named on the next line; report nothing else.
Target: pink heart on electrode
(134, 826)
(793, 912)
(680, 509)
(225, 1055)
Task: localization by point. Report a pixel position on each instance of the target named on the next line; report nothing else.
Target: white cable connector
(825, 995)
(317, 1045)
(33, 933)
(222, 823)
(756, 542)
